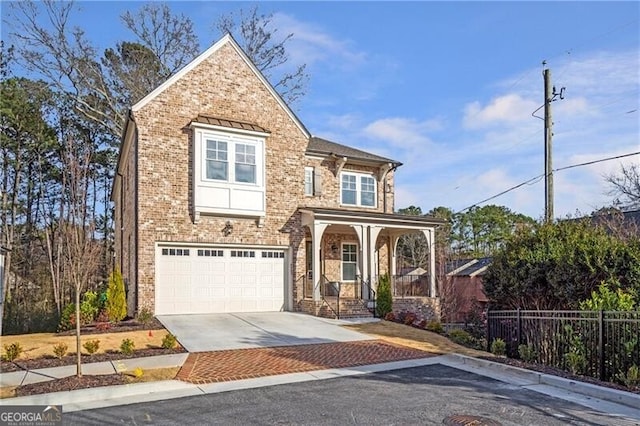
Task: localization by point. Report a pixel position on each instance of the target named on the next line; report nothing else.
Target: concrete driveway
(215, 332)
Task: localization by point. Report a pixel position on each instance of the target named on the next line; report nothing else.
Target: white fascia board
(197, 61)
(479, 271)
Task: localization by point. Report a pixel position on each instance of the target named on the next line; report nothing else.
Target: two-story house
(224, 202)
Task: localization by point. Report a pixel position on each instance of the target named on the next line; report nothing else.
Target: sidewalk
(19, 378)
(603, 399)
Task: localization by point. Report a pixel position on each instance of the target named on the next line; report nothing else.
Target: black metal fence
(599, 344)
(410, 285)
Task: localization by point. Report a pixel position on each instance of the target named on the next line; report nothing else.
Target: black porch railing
(411, 285)
(599, 344)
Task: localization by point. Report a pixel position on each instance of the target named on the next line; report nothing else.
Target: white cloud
(311, 43)
(401, 132)
(511, 108)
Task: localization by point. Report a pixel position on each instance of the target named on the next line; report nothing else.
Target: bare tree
(625, 185)
(81, 253)
(255, 34)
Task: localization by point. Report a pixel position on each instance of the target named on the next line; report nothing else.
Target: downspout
(384, 186)
(135, 212)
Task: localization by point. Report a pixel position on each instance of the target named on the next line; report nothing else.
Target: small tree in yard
(116, 302)
(385, 300)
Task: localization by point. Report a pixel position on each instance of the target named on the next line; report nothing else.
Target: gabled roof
(325, 147)
(468, 267)
(226, 40)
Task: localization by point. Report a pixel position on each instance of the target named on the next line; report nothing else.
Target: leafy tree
(482, 230)
(116, 305)
(555, 266)
(606, 299)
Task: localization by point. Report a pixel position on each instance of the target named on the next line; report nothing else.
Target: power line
(540, 176)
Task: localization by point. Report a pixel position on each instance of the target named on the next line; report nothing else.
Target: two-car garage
(210, 279)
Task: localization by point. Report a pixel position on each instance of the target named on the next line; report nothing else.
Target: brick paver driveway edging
(229, 365)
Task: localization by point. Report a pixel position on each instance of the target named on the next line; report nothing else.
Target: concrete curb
(18, 378)
(104, 396)
(528, 377)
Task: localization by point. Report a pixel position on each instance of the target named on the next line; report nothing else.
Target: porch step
(349, 308)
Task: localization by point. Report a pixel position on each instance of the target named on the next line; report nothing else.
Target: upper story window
(245, 163)
(308, 181)
(216, 160)
(358, 189)
(229, 172)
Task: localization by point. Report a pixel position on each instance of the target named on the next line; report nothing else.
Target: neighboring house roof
(468, 267)
(412, 270)
(233, 124)
(325, 147)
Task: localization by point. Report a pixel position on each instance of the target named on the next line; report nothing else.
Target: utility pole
(549, 94)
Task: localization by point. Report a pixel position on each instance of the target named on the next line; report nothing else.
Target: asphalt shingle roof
(323, 146)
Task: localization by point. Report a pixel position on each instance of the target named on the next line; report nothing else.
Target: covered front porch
(346, 252)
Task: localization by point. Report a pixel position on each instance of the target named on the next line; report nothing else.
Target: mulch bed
(559, 373)
(71, 383)
(125, 325)
(51, 361)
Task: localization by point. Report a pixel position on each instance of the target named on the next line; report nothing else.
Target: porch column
(429, 233)
(317, 230)
(393, 242)
(374, 231)
(363, 251)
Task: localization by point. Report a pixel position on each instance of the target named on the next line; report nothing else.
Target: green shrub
(460, 337)
(91, 346)
(409, 318)
(169, 341)
(498, 347)
(384, 300)
(60, 350)
(116, 304)
(89, 307)
(527, 353)
(435, 327)
(12, 351)
(632, 378)
(68, 318)
(145, 316)
(576, 361)
(127, 346)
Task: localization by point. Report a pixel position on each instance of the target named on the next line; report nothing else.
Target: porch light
(334, 248)
(228, 228)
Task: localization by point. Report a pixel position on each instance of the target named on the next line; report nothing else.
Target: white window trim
(342, 262)
(310, 171)
(232, 141)
(228, 191)
(358, 177)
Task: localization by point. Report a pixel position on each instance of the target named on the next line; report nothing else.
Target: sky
(449, 88)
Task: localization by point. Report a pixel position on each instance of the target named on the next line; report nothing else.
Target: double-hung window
(217, 156)
(217, 167)
(349, 261)
(358, 190)
(245, 163)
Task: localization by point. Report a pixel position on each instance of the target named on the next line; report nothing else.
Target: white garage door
(199, 280)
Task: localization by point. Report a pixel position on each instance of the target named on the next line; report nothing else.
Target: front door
(308, 275)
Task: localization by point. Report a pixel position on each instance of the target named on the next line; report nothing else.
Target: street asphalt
(431, 394)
